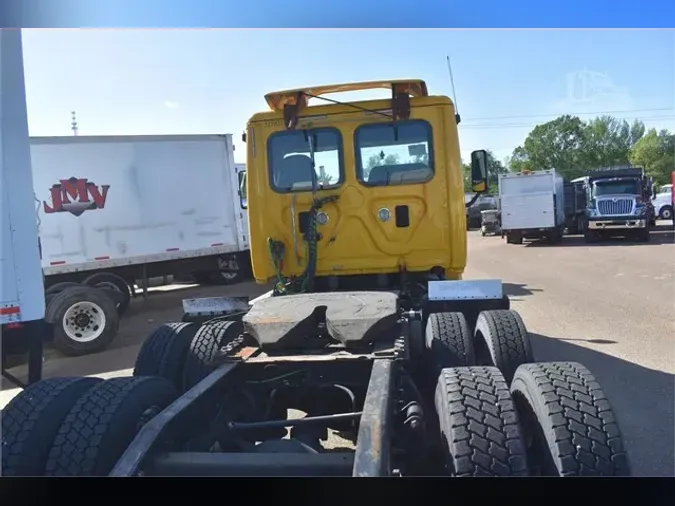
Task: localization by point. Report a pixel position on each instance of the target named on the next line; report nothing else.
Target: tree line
(572, 146)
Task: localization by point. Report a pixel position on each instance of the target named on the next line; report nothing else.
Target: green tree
(559, 144)
(609, 141)
(656, 153)
(519, 160)
(572, 146)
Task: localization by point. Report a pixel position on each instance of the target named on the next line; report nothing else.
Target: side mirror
(243, 201)
(243, 137)
(479, 173)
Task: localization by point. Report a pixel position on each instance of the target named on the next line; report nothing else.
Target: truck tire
(643, 235)
(32, 419)
(103, 422)
(84, 320)
(59, 287)
(570, 425)
(666, 213)
(480, 431)
(590, 236)
(202, 278)
(501, 340)
(232, 269)
(114, 282)
(449, 341)
(163, 352)
(557, 236)
(514, 238)
(204, 347)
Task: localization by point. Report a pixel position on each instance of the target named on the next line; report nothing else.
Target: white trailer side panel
(111, 201)
(21, 283)
(527, 200)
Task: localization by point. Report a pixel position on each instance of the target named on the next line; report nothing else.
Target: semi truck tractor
(618, 203)
(384, 345)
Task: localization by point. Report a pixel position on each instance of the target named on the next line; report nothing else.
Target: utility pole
(73, 123)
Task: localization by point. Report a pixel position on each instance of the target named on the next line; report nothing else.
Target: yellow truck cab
(339, 193)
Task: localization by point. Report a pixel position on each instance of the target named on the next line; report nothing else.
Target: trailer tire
(479, 424)
(32, 419)
(75, 335)
(103, 422)
(449, 341)
(568, 421)
(501, 340)
(232, 269)
(163, 352)
(514, 238)
(113, 282)
(556, 237)
(59, 287)
(204, 348)
(202, 277)
(643, 235)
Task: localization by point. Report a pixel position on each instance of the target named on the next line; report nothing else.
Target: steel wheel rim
(84, 322)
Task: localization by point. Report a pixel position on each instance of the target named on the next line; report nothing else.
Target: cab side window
(397, 153)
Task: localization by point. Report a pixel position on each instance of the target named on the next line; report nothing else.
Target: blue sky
(211, 81)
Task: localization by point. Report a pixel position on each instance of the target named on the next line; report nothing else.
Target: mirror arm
(473, 199)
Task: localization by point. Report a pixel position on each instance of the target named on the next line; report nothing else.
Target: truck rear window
(290, 163)
(394, 153)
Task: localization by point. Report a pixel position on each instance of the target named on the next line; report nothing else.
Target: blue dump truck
(617, 203)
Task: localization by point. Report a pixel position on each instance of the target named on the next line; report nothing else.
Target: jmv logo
(75, 196)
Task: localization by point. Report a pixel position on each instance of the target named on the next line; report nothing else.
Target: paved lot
(609, 306)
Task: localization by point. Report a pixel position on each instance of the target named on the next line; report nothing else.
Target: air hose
(305, 282)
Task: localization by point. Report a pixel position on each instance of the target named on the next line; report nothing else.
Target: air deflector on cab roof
(292, 101)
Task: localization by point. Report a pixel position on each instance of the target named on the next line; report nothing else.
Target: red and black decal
(75, 196)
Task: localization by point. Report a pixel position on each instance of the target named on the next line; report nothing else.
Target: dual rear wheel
(501, 414)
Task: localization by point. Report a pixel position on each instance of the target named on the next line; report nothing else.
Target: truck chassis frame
(384, 384)
(387, 378)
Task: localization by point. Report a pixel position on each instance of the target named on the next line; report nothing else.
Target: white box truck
(138, 207)
(113, 210)
(532, 205)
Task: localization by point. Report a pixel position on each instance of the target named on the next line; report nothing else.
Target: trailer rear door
(527, 200)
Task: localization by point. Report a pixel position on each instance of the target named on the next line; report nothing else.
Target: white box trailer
(532, 205)
(22, 301)
(140, 206)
